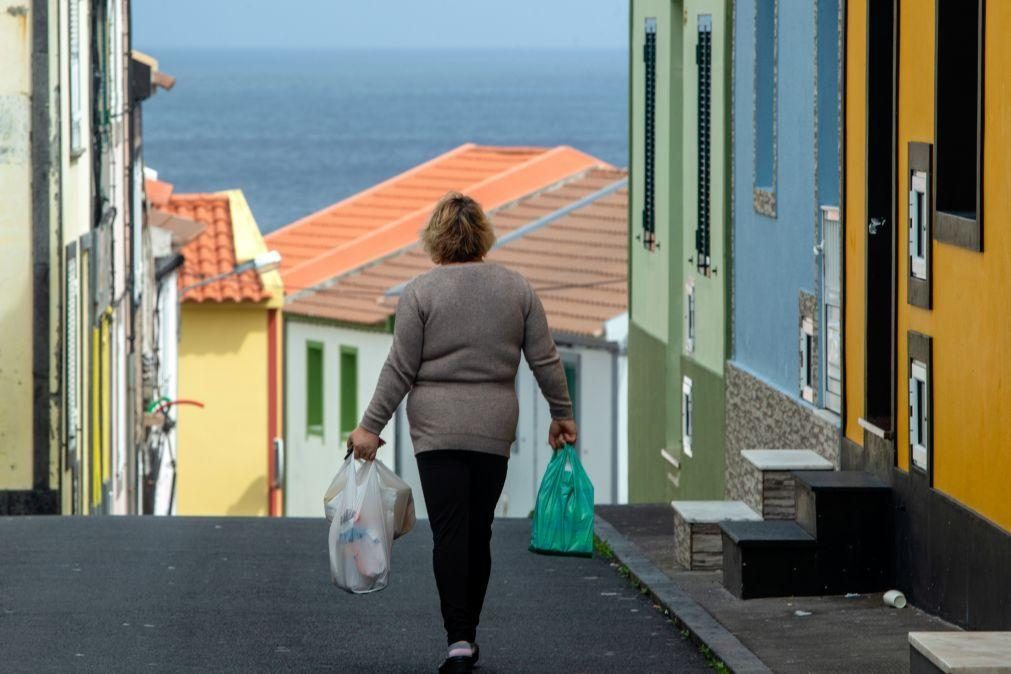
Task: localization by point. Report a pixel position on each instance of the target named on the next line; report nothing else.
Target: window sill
(960, 229)
(764, 201)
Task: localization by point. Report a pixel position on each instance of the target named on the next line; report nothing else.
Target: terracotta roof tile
(577, 263)
(213, 252)
(158, 192)
(385, 218)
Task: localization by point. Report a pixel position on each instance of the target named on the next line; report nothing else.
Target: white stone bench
(960, 652)
(770, 487)
(698, 543)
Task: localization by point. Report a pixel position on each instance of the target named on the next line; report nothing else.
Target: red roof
(386, 218)
(213, 252)
(158, 192)
(577, 260)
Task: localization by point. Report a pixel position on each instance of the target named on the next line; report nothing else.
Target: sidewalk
(834, 634)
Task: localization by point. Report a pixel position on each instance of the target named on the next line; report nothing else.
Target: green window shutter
(572, 381)
(704, 61)
(649, 138)
(349, 391)
(314, 389)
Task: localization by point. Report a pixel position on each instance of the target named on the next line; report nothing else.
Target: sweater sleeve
(401, 367)
(542, 356)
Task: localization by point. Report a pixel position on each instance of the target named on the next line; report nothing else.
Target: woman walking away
(457, 340)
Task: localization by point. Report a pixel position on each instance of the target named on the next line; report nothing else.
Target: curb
(684, 610)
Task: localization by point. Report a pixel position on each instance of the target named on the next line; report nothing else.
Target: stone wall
(762, 417)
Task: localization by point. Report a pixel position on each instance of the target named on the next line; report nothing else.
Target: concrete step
(846, 521)
(773, 558)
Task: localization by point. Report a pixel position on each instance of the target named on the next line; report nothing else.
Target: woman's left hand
(364, 443)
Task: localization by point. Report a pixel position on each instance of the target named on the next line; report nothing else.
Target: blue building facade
(783, 378)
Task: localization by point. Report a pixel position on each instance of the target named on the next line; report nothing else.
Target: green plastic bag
(563, 517)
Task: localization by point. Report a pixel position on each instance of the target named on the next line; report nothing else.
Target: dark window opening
(880, 383)
(958, 131)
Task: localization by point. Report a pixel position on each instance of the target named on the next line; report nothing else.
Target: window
(920, 403)
(919, 422)
(918, 224)
(831, 297)
(349, 391)
(958, 123)
(314, 389)
(919, 229)
(807, 365)
(704, 62)
(690, 317)
(76, 113)
(764, 125)
(649, 138)
(572, 381)
(687, 416)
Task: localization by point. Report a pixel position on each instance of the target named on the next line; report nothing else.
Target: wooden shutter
(314, 389)
(649, 138)
(703, 61)
(349, 390)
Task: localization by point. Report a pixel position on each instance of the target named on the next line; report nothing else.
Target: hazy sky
(380, 23)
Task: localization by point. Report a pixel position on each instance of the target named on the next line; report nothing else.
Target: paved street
(131, 594)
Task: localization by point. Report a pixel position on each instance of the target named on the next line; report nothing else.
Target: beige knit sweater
(457, 340)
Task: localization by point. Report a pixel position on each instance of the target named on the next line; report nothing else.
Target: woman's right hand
(562, 432)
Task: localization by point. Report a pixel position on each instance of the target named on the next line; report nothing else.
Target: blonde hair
(458, 230)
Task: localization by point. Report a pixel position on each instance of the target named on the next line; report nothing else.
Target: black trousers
(461, 490)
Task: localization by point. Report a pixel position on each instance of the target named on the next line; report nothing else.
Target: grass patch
(603, 550)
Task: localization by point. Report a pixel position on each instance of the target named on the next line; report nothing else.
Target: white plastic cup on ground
(895, 599)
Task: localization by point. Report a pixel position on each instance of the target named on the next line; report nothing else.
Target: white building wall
(311, 462)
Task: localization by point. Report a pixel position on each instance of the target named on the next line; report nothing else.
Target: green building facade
(679, 150)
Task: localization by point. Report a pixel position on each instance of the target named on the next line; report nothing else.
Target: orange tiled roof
(213, 252)
(158, 192)
(385, 218)
(577, 263)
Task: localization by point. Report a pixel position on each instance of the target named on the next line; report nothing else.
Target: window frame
(919, 267)
(950, 227)
(764, 196)
(313, 429)
(920, 375)
(571, 362)
(687, 415)
(348, 415)
(808, 379)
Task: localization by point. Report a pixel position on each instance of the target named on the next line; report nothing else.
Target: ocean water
(298, 130)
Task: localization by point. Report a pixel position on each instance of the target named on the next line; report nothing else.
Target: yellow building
(928, 290)
(229, 407)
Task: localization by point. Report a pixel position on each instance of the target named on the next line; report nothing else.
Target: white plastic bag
(402, 513)
(361, 538)
(400, 517)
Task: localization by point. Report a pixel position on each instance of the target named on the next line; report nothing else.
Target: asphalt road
(237, 594)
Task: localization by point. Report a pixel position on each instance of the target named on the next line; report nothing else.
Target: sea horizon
(298, 129)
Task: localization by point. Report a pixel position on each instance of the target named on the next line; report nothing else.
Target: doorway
(880, 301)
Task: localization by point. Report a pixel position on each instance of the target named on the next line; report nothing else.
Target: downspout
(615, 415)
